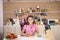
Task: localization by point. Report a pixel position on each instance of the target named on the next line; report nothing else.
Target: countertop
(29, 38)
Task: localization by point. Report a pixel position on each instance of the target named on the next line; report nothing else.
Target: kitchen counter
(56, 26)
(16, 30)
(30, 38)
(56, 32)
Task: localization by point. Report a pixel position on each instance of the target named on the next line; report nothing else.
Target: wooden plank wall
(9, 7)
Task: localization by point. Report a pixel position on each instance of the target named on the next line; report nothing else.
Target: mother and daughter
(30, 28)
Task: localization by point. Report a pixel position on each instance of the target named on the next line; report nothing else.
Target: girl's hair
(28, 18)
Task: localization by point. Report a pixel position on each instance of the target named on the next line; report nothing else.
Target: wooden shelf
(37, 13)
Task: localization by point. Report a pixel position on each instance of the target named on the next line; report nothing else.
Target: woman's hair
(28, 18)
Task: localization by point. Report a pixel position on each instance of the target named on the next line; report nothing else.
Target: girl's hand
(28, 35)
(23, 34)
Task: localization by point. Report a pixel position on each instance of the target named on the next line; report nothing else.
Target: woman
(30, 28)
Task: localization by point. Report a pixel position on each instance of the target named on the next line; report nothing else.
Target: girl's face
(30, 20)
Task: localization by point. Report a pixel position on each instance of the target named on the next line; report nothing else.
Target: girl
(30, 28)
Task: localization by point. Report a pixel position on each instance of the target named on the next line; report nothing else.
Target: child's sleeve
(35, 26)
(24, 27)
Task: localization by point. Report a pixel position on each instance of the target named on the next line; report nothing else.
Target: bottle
(38, 9)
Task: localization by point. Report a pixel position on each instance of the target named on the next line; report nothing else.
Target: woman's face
(30, 20)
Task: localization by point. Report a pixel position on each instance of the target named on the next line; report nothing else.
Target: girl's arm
(22, 32)
(37, 29)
